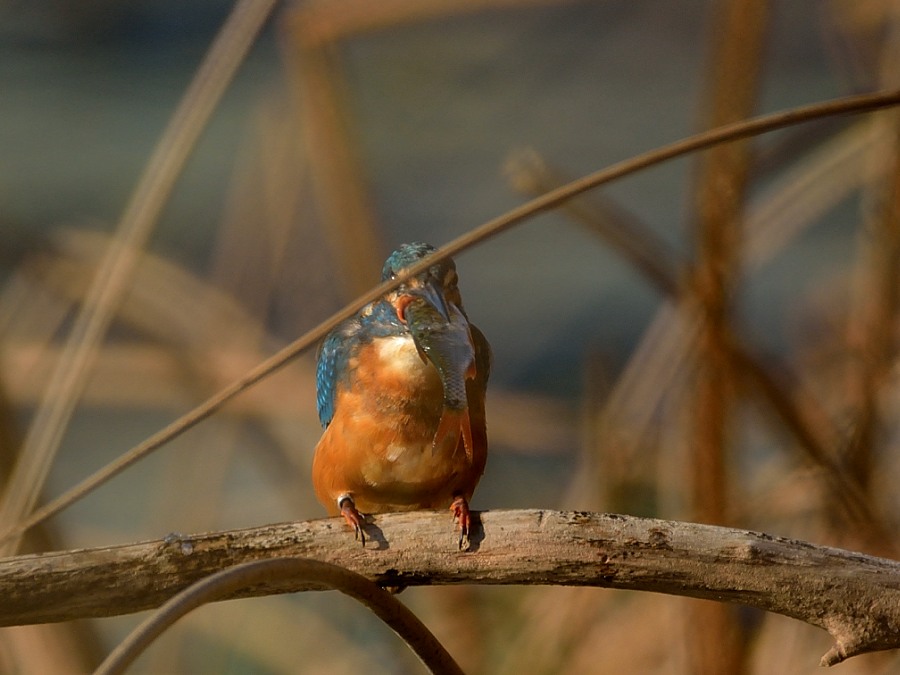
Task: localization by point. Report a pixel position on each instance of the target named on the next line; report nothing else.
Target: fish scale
(446, 344)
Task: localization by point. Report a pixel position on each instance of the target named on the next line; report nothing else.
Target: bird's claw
(463, 517)
(354, 519)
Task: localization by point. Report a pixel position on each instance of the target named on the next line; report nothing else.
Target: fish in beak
(441, 333)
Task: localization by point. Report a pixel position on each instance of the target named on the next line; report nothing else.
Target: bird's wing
(333, 357)
(482, 354)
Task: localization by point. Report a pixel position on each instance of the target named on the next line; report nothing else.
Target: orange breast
(378, 447)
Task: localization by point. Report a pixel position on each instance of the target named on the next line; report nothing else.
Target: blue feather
(405, 256)
(341, 344)
(331, 354)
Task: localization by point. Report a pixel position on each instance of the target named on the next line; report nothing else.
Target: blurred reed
(674, 432)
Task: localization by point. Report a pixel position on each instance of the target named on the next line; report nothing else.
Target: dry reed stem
(877, 290)
(530, 174)
(739, 30)
(116, 272)
(814, 185)
(717, 642)
(327, 22)
(662, 354)
(42, 648)
(353, 235)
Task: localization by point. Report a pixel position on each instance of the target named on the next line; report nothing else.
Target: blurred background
(712, 339)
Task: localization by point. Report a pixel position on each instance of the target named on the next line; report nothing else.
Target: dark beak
(434, 296)
(443, 337)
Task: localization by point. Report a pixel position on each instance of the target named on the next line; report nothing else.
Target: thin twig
(759, 125)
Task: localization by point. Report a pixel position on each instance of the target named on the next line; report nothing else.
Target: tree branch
(855, 597)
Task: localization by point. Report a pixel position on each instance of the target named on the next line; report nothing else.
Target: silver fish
(446, 342)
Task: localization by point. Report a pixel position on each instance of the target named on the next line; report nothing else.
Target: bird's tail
(455, 421)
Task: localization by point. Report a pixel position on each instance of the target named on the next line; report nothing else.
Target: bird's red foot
(463, 517)
(354, 518)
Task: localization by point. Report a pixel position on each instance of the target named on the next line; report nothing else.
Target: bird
(400, 394)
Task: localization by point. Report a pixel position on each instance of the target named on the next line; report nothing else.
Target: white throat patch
(399, 354)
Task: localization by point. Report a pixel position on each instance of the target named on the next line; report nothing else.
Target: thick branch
(854, 597)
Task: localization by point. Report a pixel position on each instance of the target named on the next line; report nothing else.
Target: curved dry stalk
(303, 570)
(729, 132)
(855, 597)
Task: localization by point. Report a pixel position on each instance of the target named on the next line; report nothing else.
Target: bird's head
(437, 285)
(430, 308)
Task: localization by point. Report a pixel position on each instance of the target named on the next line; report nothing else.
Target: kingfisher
(400, 394)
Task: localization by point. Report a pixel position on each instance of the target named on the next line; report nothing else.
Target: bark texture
(855, 597)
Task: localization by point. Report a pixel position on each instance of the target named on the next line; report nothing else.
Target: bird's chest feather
(391, 384)
(388, 414)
